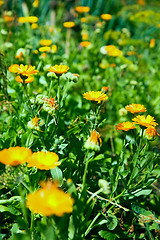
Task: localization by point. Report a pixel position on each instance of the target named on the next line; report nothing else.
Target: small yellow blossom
(81, 9)
(95, 96)
(59, 69)
(68, 24)
(34, 26)
(106, 17)
(54, 48)
(85, 36)
(43, 160)
(44, 49)
(33, 124)
(151, 132)
(36, 3)
(45, 42)
(85, 43)
(149, 121)
(130, 53)
(1, 3)
(50, 200)
(94, 142)
(125, 126)
(14, 155)
(83, 20)
(135, 108)
(152, 43)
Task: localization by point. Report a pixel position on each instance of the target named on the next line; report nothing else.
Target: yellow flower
(151, 132)
(125, 126)
(36, 3)
(106, 17)
(94, 141)
(68, 24)
(81, 9)
(15, 155)
(31, 19)
(44, 49)
(58, 69)
(33, 124)
(45, 42)
(83, 20)
(85, 36)
(50, 200)
(1, 3)
(43, 160)
(85, 43)
(54, 48)
(43, 55)
(115, 52)
(8, 18)
(135, 108)
(152, 43)
(34, 26)
(149, 121)
(22, 19)
(95, 96)
(25, 72)
(130, 53)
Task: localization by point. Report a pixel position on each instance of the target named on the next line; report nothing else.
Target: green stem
(24, 210)
(86, 161)
(27, 97)
(57, 231)
(94, 194)
(91, 224)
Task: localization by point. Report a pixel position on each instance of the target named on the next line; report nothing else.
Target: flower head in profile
(95, 96)
(145, 121)
(125, 126)
(44, 49)
(85, 43)
(152, 43)
(81, 9)
(1, 3)
(14, 155)
(45, 42)
(69, 24)
(94, 142)
(106, 17)
(24, 71)
(151, 132)
(50, 104)
(58, 69)
(135, 108)
(35, 3)
(105, 89)
(50, 200)
(43, 160)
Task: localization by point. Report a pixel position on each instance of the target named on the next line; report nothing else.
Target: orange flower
(94, 141)
(25, 72)
(141, 2)
(8, 18)
(19, 56)
(95, 96)
(43, 160)
(68, 24)
(58, 69)
(85, 43)
(151, 132)
(81, 9)
(125, 126)
(130, 53)
(135, 108)
(1, 3)
(50, 200)
(15, 155)
(149, 121)
(45, 42)
(152, 43)
(106, 17)
(85, 36)
(115, 52)
(105, 89)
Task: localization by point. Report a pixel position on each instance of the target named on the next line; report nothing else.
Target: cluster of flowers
(148, 122)
(49, 200)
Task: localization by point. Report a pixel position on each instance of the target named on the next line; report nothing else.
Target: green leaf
(143, 192)
(107, 235)
(57, 175)
(9, 209)
(112, 222)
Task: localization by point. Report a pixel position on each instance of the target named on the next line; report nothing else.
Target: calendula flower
(20, 53)
(81, 9)
(34, 26)
(45, 42)
(30, 19)
(94, 142)
(59, 69)
(105, 89)
(125, 126)
(14, 155)
(151, 132)
(149, 121)
(115, 52)
(130, 53)
(135, 108)
(43, 55)
(95, 96)
(85, 36)
(106, 17)
(8, 18)
(50, 200)
(44, 49)
(25, 72)
(141, 2)
(68, 24)
(85, 43)
(1, 3)
(83, 20)
(112, 65)
(50, 104)
(36, 3)
(34, 123)
(54, 48)
(152, 43)
(43, 160)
